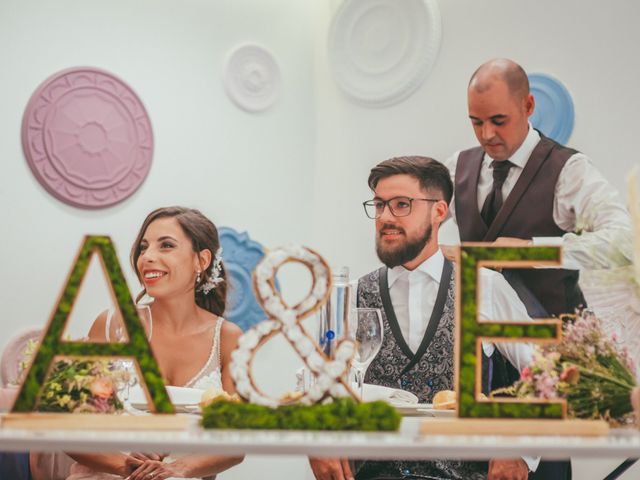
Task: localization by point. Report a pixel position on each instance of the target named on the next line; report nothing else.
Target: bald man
(520, 187)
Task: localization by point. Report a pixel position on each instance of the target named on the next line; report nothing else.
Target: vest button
(404, 383)
(430, 383)
(406, 471)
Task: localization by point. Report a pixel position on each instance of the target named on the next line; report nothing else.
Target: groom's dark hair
(431, 174)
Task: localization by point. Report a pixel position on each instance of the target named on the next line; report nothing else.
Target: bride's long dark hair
(204, 235)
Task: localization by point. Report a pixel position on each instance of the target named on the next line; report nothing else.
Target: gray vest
(424, 373)
(430, 369)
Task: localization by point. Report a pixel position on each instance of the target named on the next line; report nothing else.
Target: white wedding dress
(55, 466)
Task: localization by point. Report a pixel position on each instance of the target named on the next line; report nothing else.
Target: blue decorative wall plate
(240, 255)
(554, 114)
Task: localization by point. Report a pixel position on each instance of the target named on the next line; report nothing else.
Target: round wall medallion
(87, 137)
(240, 255)
(381, 51)
(252, 78)
(554, 114)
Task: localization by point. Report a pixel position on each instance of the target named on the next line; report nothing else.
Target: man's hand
(331, 468)
(512, 242)
(508, 469)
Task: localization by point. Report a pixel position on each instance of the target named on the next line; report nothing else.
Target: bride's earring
(198, 277)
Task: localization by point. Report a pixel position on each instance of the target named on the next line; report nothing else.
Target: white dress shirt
(585, 203)
(413, 295)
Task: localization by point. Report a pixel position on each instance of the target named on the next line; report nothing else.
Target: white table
(406, 444)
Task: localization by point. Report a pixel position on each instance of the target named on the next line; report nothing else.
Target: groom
(415, 292)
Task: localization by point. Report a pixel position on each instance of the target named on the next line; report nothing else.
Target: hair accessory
(216, 274)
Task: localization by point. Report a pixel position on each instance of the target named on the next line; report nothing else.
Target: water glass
(366, 331)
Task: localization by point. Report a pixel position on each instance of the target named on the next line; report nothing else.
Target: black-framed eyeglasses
(398, 206)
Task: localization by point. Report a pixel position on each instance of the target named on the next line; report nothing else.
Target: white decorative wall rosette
(381, 51)
(330, 374)
(252, 78)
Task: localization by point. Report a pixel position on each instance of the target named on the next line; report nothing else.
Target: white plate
(422, 410)
(391, 395)
(185, 399)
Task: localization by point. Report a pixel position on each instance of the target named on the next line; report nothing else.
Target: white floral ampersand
(330, 374)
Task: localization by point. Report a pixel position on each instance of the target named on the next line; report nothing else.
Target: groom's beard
(392, 256)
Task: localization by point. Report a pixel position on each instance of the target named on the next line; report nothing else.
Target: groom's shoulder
(372, 276)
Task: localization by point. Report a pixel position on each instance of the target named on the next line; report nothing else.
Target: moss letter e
(471, 332)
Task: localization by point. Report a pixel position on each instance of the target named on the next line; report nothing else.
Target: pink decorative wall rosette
(87, 137)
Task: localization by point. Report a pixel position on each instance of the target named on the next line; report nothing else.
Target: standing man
(415, 291)
(519, 188)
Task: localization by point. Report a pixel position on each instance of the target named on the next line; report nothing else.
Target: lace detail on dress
(210, 374)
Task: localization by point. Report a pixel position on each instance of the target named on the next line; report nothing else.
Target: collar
(520, 156)
(432, 267)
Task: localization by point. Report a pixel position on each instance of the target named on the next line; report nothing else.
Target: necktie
(493, 201)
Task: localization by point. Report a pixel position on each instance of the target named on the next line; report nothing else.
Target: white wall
(591, 47)
(298, 171)
(250, 172)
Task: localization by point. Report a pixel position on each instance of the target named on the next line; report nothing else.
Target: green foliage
(52, 344)
(470, 330)
(587, 368)
(341, 414)
(81, 386)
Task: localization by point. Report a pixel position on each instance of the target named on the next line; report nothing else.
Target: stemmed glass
(129, 377)
(144, 312)
(365, 329)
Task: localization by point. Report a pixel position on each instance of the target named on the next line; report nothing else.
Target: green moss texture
(52, 344)
(470, 330)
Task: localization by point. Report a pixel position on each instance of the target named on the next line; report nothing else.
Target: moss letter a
(52, 345)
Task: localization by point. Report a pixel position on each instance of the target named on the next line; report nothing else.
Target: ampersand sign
(330, 374)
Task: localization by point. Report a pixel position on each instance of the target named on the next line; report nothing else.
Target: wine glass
(366, 331)
(144, 313)
(129, 374)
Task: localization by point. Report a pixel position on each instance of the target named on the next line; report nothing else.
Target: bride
(176, 258)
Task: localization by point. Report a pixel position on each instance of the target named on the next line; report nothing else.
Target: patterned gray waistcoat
(431, 368)
(424, 373)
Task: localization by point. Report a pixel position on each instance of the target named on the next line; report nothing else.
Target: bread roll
(213, 393)
(444, 400)
(291, 397)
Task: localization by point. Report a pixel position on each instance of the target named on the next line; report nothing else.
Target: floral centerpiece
(78, 385)
(81, 386)
(587, 368)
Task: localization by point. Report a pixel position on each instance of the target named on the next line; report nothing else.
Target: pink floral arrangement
(77, 386)
(587, 368)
